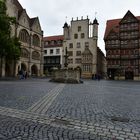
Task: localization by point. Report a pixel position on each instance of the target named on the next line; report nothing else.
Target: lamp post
(66, 58)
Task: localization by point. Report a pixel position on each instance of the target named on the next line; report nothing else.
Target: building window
(51, 51)
(78, 45)
(52, 42)
(49, 42)
(70, 45)
(126, 52)
(79, 28)
(48, 60)
(70, 61)
(45, 51)
(36, 40)
(57, 60)
(78, 60)
(78, 53)
(122, 52)
(35, 55)
(24, 53)
(86, 44)
(55, 42)
(53, 60)
(136, 52)
(46, 43)
(87, 68)
(70, 53)
(108, 52)
(75, 36)
(60, 42)
(57, 51)
(82, 35)
(24, 36)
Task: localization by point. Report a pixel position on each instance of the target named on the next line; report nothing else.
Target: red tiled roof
(49, 38)
(113, 25)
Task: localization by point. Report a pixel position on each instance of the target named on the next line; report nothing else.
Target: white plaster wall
(92, 43)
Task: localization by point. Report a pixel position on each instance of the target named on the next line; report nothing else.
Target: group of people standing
(22, 74)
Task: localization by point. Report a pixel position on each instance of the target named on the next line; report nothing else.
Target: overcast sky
(52, 13)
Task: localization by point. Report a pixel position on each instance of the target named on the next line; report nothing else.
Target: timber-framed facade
(122, 44)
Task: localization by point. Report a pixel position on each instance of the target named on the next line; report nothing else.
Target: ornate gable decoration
(24, 18)
(87, 51)
(35, 25)
(128, 18)
(24, 53)
(86, 56)
(35, 55)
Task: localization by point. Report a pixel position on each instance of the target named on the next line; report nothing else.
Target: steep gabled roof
(21, 12)
(32, 20)
(87, 51)
(128, 14)
(16, 2)
(57, 37)
(113, 24)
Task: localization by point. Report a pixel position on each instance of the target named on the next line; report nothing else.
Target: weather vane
(66, 18)
(95, 14)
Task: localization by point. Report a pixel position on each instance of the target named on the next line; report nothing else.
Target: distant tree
(9, 46)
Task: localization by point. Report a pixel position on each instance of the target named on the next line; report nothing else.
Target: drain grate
(120, 119)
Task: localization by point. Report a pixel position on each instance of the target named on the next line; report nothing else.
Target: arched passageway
(23, 67)
(7, 70)
(34, 70)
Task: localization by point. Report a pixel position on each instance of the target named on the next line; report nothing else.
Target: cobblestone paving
(39, 110)
(21, 94)
(100, 101)
(23, 125)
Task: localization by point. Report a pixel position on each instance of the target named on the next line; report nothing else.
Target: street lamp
(66, 58)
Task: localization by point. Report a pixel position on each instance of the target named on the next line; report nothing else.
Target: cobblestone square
(36, 109)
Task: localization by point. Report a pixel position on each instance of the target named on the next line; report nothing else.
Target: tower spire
(95, 14)
(95, 20)
(65, 25)
(66, 19)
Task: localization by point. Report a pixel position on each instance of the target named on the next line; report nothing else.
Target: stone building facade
(53, 53)
(122, 44)
(30, 34)
(80, 41)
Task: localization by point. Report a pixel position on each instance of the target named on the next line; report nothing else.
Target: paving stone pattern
(21, 94)
(99, 102)
(36, 109)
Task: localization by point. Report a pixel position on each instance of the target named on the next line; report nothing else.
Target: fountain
(66, 75)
